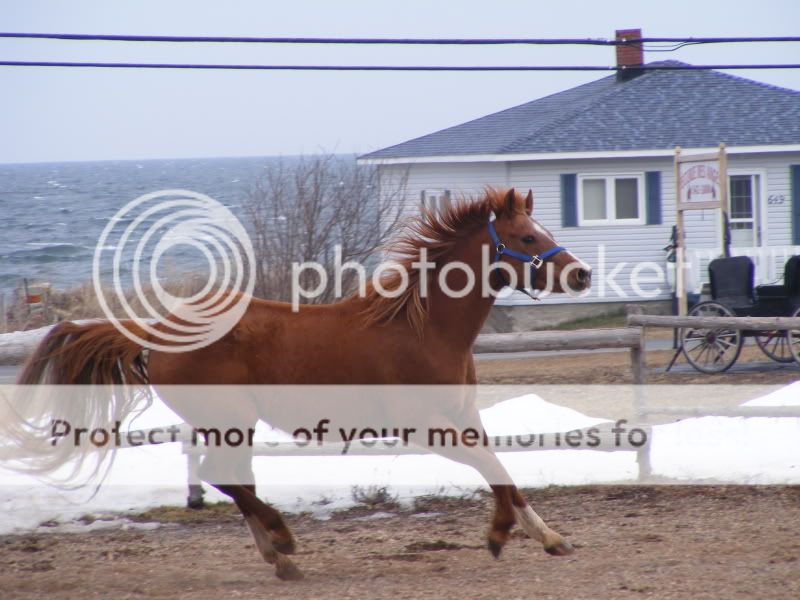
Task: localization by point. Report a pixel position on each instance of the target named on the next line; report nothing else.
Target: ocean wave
(48, 252)
(8, 278)
(49, 244)
(81, 197)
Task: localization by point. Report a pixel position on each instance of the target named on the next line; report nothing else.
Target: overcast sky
(49, 114)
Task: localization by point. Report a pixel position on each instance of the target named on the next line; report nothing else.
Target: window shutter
(794, 186)
(569, 200)
(652, 187)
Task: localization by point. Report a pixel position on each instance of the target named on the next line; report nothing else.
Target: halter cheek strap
(535, 261)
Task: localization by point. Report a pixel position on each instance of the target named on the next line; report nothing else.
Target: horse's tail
(109, 373)
(95, 353)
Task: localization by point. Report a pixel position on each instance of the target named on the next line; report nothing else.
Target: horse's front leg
(532, 524)
(510, 506)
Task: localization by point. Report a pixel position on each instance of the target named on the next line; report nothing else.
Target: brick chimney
(630, 57)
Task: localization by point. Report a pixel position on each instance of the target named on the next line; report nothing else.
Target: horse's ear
(529, 202)
(511, 198)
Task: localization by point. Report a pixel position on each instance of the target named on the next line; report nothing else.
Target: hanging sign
(700, 184)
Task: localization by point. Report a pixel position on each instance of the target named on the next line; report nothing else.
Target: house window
(435, 200)
(611, 199)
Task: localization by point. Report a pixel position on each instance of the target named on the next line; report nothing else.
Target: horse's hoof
(562, 548)
(287, 571)
(495, 547)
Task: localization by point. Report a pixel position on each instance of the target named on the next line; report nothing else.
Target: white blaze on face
(541, 231)
(573, 262)
(581, 264)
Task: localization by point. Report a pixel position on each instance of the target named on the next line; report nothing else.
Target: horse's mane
(436, 232)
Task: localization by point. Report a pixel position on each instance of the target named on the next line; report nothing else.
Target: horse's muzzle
(581, 279)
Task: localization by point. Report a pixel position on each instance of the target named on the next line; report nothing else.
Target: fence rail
(721, 411)
(748, 323)
(15, 348)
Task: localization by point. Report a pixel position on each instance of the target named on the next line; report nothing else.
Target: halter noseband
(535, 261)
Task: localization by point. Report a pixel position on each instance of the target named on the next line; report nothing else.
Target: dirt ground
(614, 367)
(632, 542)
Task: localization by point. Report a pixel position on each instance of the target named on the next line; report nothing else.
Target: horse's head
(522, 242)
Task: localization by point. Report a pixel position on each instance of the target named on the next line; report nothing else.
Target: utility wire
(125, 65)
(395, 41)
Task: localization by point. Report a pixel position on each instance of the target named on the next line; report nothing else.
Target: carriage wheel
(793, 339)
(711, 350)
(775, 344)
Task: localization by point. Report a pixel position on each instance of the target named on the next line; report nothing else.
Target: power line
(394, 41)
(126, 65)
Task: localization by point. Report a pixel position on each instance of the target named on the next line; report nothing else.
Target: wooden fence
(16, 347)
(14, 350)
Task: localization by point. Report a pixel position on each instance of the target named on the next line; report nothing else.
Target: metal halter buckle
(536, 262)
(500, 247)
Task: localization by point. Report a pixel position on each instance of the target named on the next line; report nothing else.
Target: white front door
(744, 211)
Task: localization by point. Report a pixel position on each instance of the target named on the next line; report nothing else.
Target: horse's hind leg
(232, 474)
(229, 468)
(253, 511)
(282, 539)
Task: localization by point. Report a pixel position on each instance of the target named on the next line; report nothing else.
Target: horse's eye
(528, 239)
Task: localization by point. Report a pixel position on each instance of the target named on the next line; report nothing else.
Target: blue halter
(535, 261)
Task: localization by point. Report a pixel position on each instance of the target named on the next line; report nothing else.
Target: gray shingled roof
(657, 110)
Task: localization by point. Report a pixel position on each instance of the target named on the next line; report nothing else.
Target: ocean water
(52, 214)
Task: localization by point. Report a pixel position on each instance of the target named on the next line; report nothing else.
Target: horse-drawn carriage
(733, 293)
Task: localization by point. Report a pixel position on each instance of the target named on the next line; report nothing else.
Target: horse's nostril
(582, 275)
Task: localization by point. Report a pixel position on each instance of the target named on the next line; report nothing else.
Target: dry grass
(214, 512)
(81, 302)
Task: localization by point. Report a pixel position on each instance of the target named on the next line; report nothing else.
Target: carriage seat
(732, 281)
(789, 290)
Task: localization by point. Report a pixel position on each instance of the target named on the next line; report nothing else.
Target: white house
(600, 159)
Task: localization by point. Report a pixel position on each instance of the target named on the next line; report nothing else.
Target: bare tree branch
(300, 211)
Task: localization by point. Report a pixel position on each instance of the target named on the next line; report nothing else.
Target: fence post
(196, 491)
(638, 370)
(643, 460)
(637, 350)
(637, 365)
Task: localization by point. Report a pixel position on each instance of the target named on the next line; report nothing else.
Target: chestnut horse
(366, 339)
